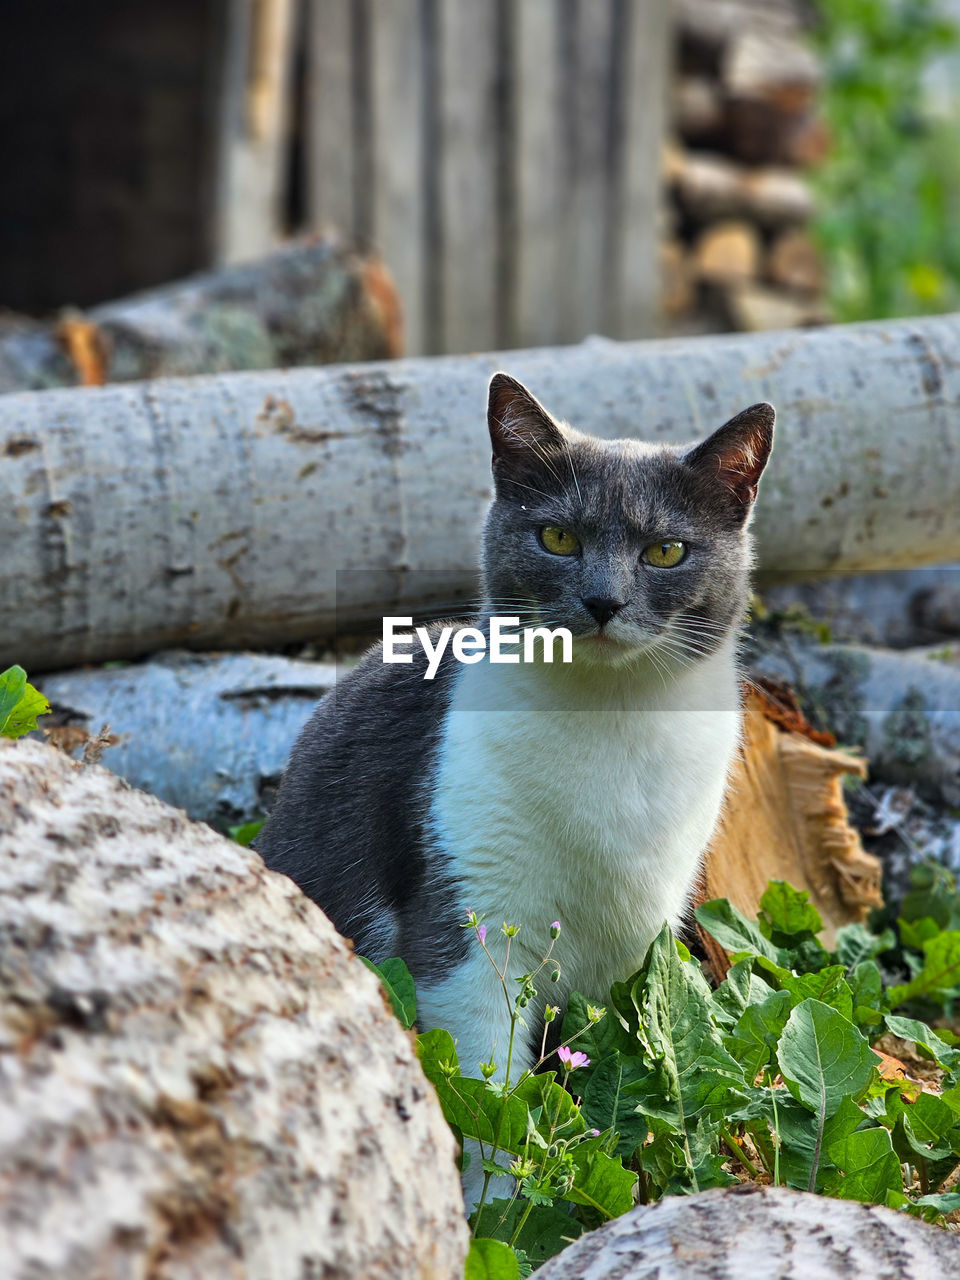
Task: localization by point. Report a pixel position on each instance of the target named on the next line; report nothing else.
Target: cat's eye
(559, 542)
(664, 555)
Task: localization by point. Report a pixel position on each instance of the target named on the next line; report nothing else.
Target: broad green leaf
(798, 1127)
(547, 1230)
(601, 1181)
(607, 1106)
(867, 1167)
(734, 931)
(20, 704)
(914, 933)
(829, 985)
(740, 988)
(788, 910)
(946, 1202)
(940, 972)
(692, 1071)
(490, 1259)
(398, 984)
(856, 943)
(926, 1040)
(823, 1057)
(926, 1127)
(753, 1041)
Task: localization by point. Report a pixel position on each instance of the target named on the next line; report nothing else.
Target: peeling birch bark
(197, 1077)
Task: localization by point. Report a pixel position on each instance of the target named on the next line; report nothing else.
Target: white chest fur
(581, 798)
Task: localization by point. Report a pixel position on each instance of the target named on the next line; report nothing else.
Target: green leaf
(823, 1057)
(867, 1165)
(548, 1100)
(914, 933)
(940, 972)
(20, 704)
(926, 1127)
(829, 986)
(946, 1202)
(856, 943)
(753, 1041)
(398, 984)
(246, 832)
(870, 1000)
(601, 1181)
(734, 931)
(606, 1105)
(789, 910)
(490, 1259)
(739, 989)
(547, 1230)
(798, 1134)
(925, 1039)
(596, 1039)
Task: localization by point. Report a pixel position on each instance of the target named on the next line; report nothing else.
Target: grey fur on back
(350, 822)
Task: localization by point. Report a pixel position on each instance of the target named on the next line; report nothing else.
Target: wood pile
(738, 253)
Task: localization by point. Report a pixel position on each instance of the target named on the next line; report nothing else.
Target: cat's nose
(603, 608)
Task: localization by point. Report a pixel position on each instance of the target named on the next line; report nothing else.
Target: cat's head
(633, 547)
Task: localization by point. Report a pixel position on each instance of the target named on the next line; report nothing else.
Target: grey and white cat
(582, 792)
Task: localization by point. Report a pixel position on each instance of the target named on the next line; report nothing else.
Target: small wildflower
(487, 1069)
(550, 1012)
(555, 929)
(593, 1133)
(596, 1014)
(509, 930)
(572, 1058)
(481, 932)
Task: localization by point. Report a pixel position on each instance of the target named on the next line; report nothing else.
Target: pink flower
(572, 1059)
(481, 931)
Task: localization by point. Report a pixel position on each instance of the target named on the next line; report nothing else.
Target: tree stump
(197, 1077)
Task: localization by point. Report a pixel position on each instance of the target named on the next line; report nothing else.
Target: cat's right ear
(521, 430)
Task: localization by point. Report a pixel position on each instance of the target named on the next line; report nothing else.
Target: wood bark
(198, 1077)
(312, 302)
(265, 508)
(711, 186)
(784, 818)
(766, 1233)
(902, 709)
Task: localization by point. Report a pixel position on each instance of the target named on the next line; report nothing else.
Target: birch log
(314, 301)
(259, 508)
(903, 709)
(198, 1077)
(765, 1233)
(208, 733)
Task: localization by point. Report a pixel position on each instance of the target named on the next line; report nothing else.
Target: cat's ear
(735, 455)
(521, 430)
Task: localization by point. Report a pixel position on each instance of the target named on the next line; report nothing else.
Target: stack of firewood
(738, 252)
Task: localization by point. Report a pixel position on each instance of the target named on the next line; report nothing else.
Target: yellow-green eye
(559, 542)
(664, 555)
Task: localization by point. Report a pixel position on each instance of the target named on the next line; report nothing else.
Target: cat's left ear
(735, 455)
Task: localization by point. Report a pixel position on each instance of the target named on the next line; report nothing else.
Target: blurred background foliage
(889, 220)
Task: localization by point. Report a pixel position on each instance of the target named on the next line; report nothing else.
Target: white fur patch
(584, 796)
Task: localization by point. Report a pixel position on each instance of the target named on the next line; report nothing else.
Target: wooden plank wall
(503, 155)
